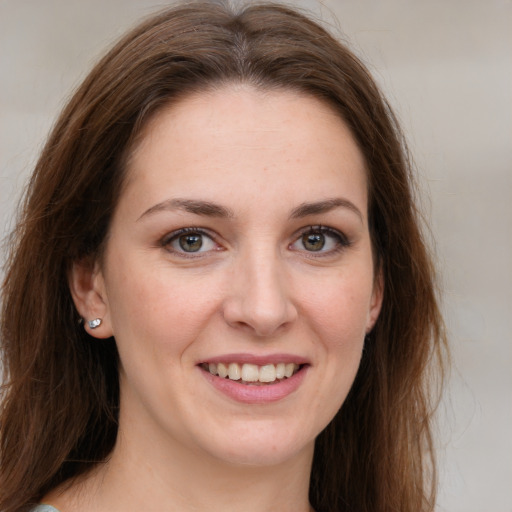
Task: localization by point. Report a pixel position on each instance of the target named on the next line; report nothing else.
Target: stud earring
(95, 323)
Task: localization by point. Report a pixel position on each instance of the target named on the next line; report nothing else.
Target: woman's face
(240, 245)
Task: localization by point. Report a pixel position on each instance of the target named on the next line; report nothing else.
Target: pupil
(191, 243)
(313, 241)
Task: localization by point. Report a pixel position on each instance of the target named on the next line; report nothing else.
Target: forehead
(245, 139)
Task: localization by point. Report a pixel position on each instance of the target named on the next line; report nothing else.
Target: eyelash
(340, 240)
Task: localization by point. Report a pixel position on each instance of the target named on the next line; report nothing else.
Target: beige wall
(446, 66)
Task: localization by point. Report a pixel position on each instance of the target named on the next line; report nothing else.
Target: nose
(259, 298)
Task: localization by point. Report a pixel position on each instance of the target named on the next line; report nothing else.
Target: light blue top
(44, 508)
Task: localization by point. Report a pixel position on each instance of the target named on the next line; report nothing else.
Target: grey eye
(313, 241)
(191, 242)
(320, 239)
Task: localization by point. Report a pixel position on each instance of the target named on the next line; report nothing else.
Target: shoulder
(44, 508)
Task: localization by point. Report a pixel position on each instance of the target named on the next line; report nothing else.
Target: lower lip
(253, 394)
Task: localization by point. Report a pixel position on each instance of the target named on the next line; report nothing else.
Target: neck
(172, 479)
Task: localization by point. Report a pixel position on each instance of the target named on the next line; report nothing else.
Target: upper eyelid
(188, 229)
(322, 229)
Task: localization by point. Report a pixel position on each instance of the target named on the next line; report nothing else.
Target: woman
(218, 295)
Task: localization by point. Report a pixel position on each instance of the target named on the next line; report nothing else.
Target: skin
(254, 287)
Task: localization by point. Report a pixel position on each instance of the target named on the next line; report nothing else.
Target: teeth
(234, 371)
(289, 369)
(268, 373)
(222, 370)
(280, 370)
(252, 372)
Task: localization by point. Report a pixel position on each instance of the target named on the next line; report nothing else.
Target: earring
(95, 323)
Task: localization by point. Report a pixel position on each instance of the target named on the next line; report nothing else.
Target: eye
(189, 241)
(320, 239)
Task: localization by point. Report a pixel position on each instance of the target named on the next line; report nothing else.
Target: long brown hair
(61, 398)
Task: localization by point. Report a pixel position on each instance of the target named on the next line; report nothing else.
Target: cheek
(155, 307)
(339, 308)
(337, 315)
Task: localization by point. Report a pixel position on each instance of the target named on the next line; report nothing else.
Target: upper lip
(257, 359)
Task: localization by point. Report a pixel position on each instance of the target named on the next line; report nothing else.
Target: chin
(261, 447)
(266, 457)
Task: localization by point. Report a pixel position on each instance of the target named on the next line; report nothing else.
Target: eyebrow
(204, 208)
(324, 206)
(209, 209)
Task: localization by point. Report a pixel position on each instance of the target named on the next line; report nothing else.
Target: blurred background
(446, 67)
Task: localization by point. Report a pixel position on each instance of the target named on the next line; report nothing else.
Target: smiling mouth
(252, 374)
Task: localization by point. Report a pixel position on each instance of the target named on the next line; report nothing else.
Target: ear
(376, 301)
(87, 287)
